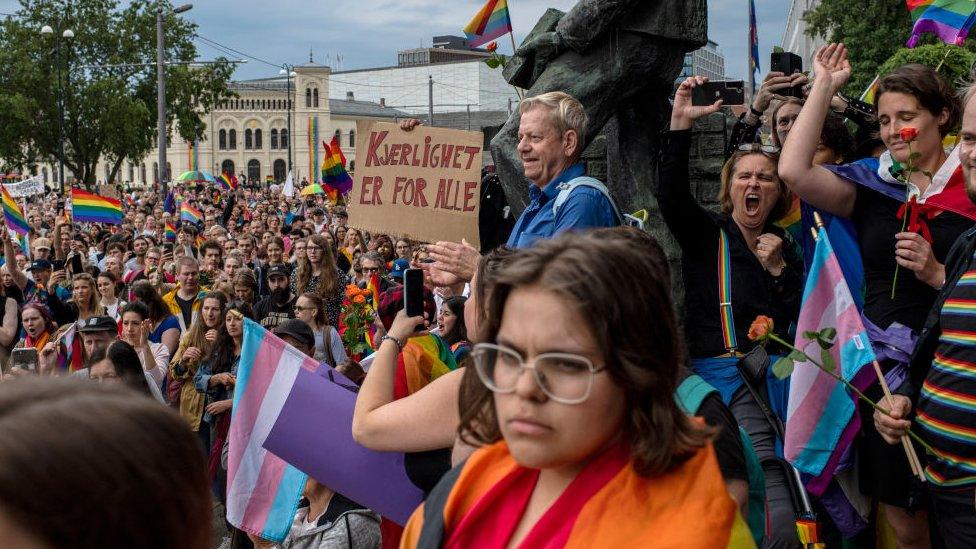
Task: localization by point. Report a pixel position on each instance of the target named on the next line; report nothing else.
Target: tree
(951, 61)
(110, 110)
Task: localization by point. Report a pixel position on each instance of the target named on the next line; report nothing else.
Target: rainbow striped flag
(12, 214)
(190, 214)
(227, 182)
(872, 90)
(950, 20)
(334, 173)
(90, 207)
(170, 232)
(70, 357)
(199, 240)
(491, 22)
(373, 287)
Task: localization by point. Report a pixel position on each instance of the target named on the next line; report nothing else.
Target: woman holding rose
(908, 207)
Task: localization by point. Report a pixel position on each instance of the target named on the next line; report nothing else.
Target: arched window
(308, 97)
(169, 172)
(257, 139)
(222, 139)
(142, 173)
(352, 165)
(284, 139)
(352, 138)
(227, 166)
(131, 172)
(274, 139)
(248, 139)
(44, 175)
(232, 140)
(315, 97)
(279, 171)
(338, 135)
(254, 170)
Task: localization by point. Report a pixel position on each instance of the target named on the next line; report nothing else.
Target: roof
(345, 107)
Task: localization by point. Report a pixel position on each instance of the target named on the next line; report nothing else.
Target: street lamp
(289, 72)
(161, 89)
(67, 34)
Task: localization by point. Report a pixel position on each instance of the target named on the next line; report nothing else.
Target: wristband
(755, 112)
(395, 341)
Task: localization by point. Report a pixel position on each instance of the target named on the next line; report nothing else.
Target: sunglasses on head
(759, 148)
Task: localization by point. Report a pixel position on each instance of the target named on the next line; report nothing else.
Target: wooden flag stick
(905, 442)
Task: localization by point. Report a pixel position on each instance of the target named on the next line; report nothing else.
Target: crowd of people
(569, 404)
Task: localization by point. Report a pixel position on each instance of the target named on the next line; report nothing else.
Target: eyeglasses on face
(371, 269)
(301, 308)
(565, 378)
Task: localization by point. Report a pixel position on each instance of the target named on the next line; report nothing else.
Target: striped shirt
(946, 414)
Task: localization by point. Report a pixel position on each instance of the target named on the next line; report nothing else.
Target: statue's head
(551, 130)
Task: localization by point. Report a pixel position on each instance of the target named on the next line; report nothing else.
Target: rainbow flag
(791, 222)
(423, 360)
(872, 90)
(90, 207)
(70, 357)
(13, 215)
(950, 20)
(227, 182)
(190, 214)
(491, 22)
(170, 232)
(334, 173)
(373, 287)
(199, 240)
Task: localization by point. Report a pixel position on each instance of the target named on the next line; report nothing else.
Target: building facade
(705, 61)
(795, 38)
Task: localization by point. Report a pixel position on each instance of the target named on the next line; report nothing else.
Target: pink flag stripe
(248, 402)
(267, 481)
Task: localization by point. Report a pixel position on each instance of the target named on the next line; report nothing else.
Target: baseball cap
(98, 324)
(278, 270)
(296, 329)
(399, 266)
(42, 243)
(40, 265)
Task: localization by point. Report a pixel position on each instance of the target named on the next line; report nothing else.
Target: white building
(705, 61)
(795, 38)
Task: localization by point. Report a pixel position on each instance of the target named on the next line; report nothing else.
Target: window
(279, 171)
(257, 139)
(308, 97)
(248, 139)
(232, 140)
(142, 173)
(253, 170)
(315, 97)
(44, 175)
(131, 172)
(284, 139)
(274, 139)
(222, 139)
(107, 174)
(352, 165)
(169, 172)
(338, 136)
(352, 138)
(227, 166)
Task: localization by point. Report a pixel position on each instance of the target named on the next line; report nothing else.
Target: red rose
(492, 47)
(908, 134)
(760, 329)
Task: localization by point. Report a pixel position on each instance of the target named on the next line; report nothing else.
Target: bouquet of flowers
(357, 322)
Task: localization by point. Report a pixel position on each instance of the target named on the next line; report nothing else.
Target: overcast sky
(368, 33)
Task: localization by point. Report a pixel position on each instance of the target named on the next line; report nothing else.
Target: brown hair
(637, 331)
(80, 459)
(728, 170)
(328, 285)
(772, 116)
(933, 92)
(196, 336)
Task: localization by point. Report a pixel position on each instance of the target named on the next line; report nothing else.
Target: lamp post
(161, 90)
(66, 34)
(288, 71)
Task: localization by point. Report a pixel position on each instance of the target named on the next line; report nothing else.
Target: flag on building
(950, 20)
(93, 208)
(13, 215)
(190, 214)
(754, 66)
(491, 22)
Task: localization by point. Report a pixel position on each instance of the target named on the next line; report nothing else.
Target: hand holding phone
(413, 292)
(25, 359)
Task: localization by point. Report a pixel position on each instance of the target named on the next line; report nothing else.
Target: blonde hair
(94, 306)
(565, 112)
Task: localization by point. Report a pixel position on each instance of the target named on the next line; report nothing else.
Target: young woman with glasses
(583, 441)
(310, 309)
(317, 273)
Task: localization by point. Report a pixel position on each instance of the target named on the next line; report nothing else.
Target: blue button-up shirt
(585, 208)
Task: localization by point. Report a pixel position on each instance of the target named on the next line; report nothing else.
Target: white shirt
(161, 353)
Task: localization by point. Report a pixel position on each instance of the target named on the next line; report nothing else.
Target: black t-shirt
(727, 443)
(875, 218)
(270, 314)
(186, 309)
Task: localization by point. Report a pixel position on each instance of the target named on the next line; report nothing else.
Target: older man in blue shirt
(561, 197)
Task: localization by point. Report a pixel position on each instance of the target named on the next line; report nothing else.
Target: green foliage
(110, 113)
(783, 368)
(952, 62)
(827, 360)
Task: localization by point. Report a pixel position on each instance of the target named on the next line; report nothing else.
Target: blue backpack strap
(692, 392)
(584, 181)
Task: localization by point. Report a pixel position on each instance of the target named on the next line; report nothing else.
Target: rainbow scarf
(423, 360)
(12, 214)
(38, 343)
(950, 20)
(491, 22)
(86, 206)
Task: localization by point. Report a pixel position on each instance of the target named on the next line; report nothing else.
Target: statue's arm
(591, 18)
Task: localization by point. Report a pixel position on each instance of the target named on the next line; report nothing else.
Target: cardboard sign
(27, 187)
(423, 183)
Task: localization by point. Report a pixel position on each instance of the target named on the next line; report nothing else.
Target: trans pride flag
(491, 22)
(950, 20)
(822, 416)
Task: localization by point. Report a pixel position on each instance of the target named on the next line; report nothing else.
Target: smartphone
(57, 264)
(76, 266)
(413, 292)
(25, 359)
(168, 247)
(787, 63)
(731, 92)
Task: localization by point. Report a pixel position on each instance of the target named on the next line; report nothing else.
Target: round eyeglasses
(565, 378)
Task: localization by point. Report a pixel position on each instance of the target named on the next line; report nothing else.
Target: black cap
(40, 265)
(278, 270)
(296, 329)
(98, 324)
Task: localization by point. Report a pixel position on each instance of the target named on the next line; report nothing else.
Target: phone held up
(731, 92)
(25, 359)
(787, 63)
(413, 292)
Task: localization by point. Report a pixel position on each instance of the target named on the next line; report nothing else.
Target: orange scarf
(609, 505)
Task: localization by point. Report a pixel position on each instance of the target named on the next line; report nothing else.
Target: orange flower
(359, 299)
(492, 47)
(761, 328)
(351, 291)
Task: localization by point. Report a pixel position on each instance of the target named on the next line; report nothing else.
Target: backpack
(495, 219)
(690, 395)
(584, 181)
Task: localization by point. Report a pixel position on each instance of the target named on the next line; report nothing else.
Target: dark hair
(222, 357)
(933, 92)
(127, 366)
(211, 245)
(459, 331)
(79, 458)
(836, 137)
(636, 329)
(136, 307)
(144, 291)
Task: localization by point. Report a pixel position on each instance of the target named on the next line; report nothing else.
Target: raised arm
(815, 184)
(10, 257)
